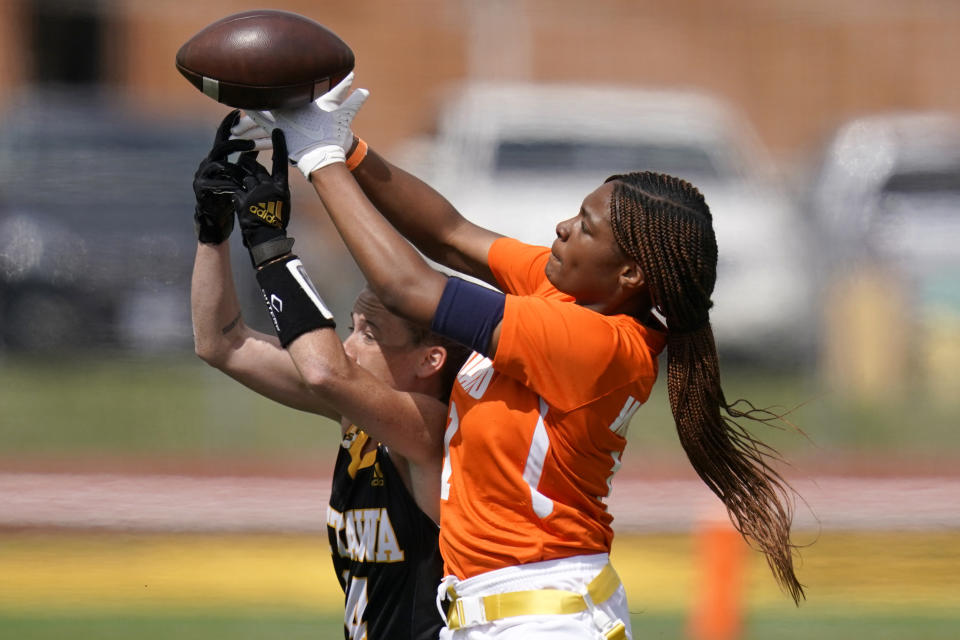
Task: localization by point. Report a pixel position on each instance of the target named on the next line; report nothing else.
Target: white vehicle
(520, 158)
(888, 192)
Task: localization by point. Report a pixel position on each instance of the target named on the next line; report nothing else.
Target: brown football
(265, 59)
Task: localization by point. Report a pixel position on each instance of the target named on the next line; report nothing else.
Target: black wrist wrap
(270, 249)
(293, 302)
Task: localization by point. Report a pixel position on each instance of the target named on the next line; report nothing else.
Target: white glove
(247, 129)
(319, 133)
(259, 130)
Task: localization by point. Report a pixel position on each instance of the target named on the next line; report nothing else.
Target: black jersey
(384, 548)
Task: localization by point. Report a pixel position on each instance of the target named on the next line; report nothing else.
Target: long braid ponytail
(664, 224)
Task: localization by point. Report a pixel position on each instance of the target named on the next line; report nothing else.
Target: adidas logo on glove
(269, 212)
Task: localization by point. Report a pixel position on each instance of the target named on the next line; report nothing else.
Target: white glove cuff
(320, 157)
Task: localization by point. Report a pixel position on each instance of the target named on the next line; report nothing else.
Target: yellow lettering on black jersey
(365, 535)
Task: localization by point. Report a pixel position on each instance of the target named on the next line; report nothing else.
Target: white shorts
(568, 574)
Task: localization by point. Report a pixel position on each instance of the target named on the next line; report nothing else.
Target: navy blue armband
(468, 313)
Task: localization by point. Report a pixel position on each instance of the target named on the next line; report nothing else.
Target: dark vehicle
(96, 229)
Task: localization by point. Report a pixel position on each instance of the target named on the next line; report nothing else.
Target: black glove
(264, 204)
(217, 183)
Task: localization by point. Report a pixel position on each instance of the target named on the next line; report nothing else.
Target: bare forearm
(410, 423)
(223, 340)
(214, 307)
(401, 278)
(422, 215)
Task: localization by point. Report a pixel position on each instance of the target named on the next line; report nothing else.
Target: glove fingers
(248, 156)
(244, 126)
(336, 95)
(247, 129)
(339, 92)
(224, 148)
(248, 162)
(252, 169)
(223, 131)
(214, 172)
(356, 100)
(263, 119)
(280, 161)
(344, 85)
(263, 144)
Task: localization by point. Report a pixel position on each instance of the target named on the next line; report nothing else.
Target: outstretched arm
(411, 423)
(401, 278)
(319, 136)
(425, 217)
(420, 213)
(314, 374)
(223, 340)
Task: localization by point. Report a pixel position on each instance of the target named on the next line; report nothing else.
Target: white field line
(199, 504)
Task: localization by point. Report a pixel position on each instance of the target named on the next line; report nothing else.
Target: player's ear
(432, 361)
(631, 276)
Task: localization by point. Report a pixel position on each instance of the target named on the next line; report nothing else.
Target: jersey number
(451, 430)
(533, 469)
(353, 621)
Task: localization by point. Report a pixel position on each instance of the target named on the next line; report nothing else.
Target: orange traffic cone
(717, 612)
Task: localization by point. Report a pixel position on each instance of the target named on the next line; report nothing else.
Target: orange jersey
(535, 436)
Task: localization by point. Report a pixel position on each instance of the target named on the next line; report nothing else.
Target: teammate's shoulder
(648, 332)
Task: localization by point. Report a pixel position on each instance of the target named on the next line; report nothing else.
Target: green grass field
(59, 585)
(179, 408)
(167, 412)
(242, 626)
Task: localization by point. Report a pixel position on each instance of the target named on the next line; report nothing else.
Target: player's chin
(552, 270)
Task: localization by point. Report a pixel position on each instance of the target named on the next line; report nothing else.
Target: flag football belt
(466, 611)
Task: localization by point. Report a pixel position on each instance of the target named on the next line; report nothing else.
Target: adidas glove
(217, 184)
(264, 205)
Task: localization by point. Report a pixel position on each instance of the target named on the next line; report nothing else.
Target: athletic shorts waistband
(569, 573)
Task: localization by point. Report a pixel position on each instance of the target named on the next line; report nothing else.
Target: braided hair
(664, 224)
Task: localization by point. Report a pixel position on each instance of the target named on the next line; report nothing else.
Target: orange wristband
(359, 153)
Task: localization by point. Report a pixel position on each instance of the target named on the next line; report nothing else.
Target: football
(265, 59)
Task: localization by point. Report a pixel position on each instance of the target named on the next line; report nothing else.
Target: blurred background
(142, 493)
